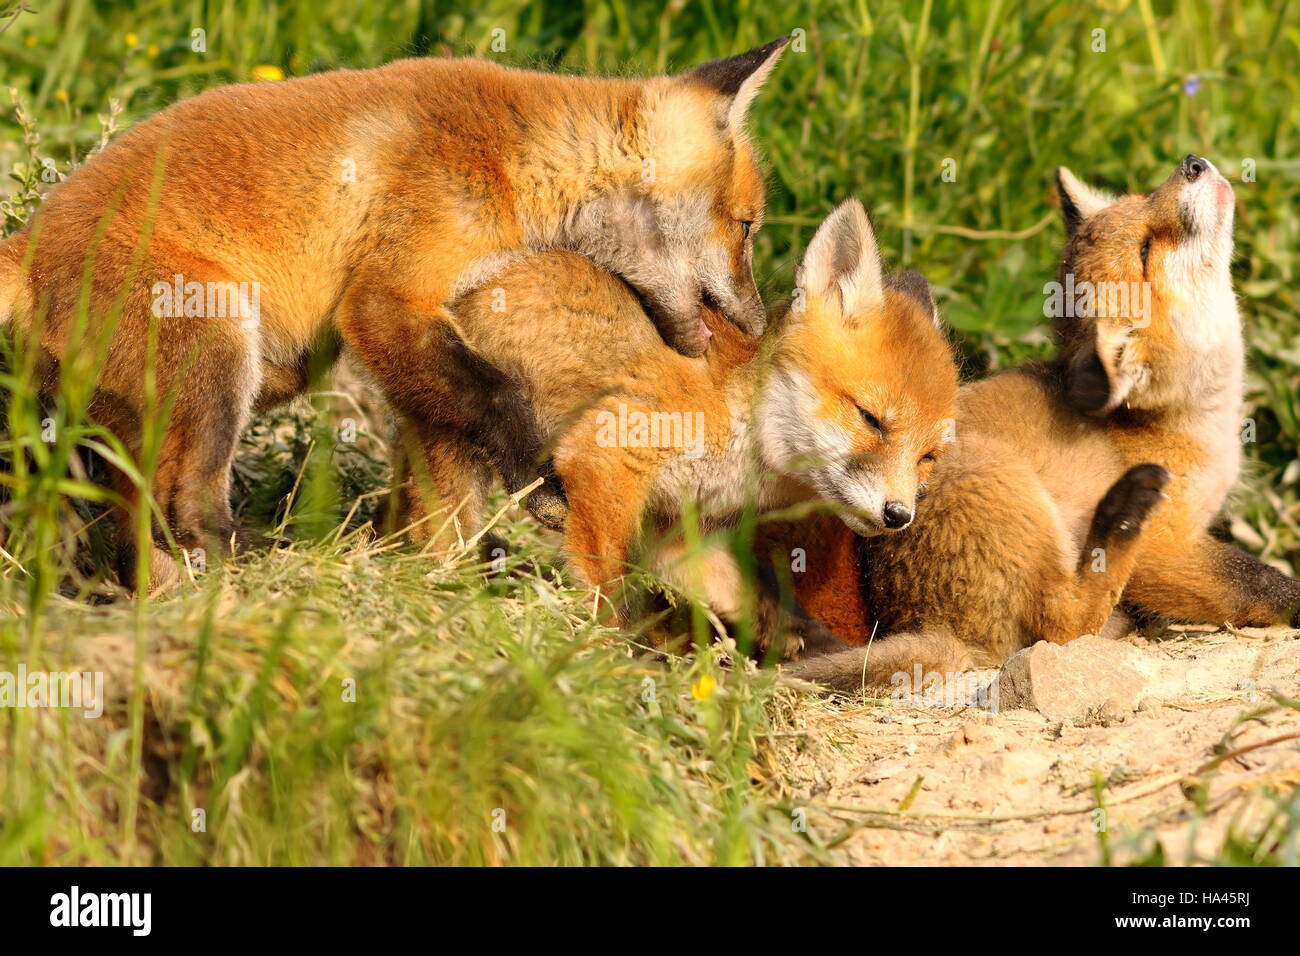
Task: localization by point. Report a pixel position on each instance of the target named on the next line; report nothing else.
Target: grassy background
(247, 721)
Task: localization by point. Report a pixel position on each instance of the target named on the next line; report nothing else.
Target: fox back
(443, 168)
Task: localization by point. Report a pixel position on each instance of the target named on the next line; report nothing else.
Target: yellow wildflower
(703, 688)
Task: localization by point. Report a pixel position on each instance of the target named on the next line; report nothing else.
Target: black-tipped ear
(912, 284)
(1079, 201)
(739, 77)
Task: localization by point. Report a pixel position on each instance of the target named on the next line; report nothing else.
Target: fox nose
(897, 515)
(1192, 166)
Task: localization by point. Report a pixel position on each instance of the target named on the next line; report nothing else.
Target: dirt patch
(899, 784)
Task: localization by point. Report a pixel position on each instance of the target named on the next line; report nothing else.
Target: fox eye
(871, 420)
(1146, 249)
(926, 458)
(745, 226)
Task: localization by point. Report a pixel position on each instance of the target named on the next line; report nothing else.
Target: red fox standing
(354, 206)
(845, 399)
(1010, 546)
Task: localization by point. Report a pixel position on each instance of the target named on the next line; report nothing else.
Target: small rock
(968, 734)
(1068, 681)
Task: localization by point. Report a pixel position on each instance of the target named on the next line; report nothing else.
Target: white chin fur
(1199, 268)
(1207, 207)
(861, 528)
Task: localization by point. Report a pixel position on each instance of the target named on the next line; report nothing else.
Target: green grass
(346, 704)
(474, 695)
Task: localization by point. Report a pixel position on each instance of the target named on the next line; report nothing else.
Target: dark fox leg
(1106, 562)
(192, 490)
(206, 379)
(782, 624)
(430, 375)
(162, 568)
(438, 479)
(1206, 581)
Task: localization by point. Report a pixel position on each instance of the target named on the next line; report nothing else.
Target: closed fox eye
(871, 420)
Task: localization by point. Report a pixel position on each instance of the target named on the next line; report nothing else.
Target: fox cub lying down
(1011, 546)
(844, 399)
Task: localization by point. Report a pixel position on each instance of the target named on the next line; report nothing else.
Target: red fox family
(551, 278)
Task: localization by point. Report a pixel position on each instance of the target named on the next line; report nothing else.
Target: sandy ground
(902, 785)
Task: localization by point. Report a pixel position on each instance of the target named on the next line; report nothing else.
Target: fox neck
(1206, 391)
(1199, 393)
(768, 384)
(745, 463)
(578, 169)
(1215, 380)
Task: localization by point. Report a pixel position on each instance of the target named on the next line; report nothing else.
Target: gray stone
(1068, 681)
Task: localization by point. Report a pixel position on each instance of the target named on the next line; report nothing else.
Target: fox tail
(875, 664)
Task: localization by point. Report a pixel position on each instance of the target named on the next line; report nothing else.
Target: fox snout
(896, 515)
(741, 307)
(1192, 167)
(893, 515)
(1205, 198)
(876, 497)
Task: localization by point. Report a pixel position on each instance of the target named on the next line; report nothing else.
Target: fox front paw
(1128, 503)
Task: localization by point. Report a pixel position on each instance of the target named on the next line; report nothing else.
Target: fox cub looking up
(1142, 403)
(845, 400)
(351, 207)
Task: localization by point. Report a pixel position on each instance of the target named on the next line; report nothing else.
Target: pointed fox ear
(911, 283)
(738, 78)
(842, 264)
(1079, 201)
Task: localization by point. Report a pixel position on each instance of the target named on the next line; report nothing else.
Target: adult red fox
(845, 399)
(261, 226)
(1011, 546)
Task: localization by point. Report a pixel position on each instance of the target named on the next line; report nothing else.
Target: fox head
(1143, 307)
(680, 225)
(862, 392)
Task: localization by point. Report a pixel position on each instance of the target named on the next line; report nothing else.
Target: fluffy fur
(782, 419)
(361, 203)
(1012, 545)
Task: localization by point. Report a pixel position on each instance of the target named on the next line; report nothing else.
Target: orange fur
(1005, 549)
(589, 356)
(360, 204)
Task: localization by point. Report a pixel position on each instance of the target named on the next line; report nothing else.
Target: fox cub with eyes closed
(844, 400)
(1079, 482)
(350, 208)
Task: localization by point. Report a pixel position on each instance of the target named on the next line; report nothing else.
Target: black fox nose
(1192, 166)
(897, 514)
